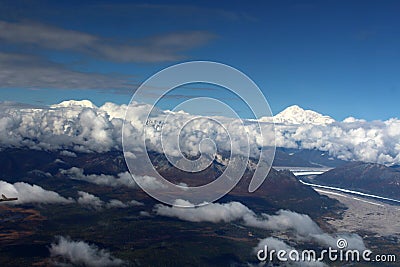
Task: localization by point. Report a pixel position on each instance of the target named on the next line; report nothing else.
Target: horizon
(84, 127)
(26, 105)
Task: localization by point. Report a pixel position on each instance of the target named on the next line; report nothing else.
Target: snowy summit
(296, 115)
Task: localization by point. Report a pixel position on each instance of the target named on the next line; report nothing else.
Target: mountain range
(82, 126)
(369, 178)
(280, 190)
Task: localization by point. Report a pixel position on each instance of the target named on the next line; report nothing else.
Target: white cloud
(277, 245)
(93, 202)
(115, 203)
(82, 253)
(284, 220)
(89, 200)
(68, 154)
(27, 193)
(149, 182)
(123, 178)
(81, 127)
(213, 212)
(144, 213)
(301, 226)
(354, 241)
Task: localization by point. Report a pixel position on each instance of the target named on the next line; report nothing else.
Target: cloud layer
(277, 244)
(93, 202)
(82, 127)
(82, 253)
(34, 194)
(123, 179)
(33, 72)
(152, 49)
(301, 226)
(214, 212)
(27, 193)
(29, 67)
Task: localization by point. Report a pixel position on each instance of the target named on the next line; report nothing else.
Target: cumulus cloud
(144, 213)
(284, 220)
(79, 126)
(82, 253)
(149, 182)
(89, 200)
(68, 154)
(363, 141)
(27, 193)
(213, 212)
(115, 203)
(93, 202)
(301, 226)
(123, 178)
(272, 243)
(354, 241)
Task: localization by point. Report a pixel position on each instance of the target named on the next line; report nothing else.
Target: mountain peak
(294, 108)
(75, 103)
(297, 115)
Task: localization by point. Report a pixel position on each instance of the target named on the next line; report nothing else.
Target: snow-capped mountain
(81, 126)
(75, 103)
(296, 115)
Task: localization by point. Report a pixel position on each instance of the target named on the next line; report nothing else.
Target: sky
(340, 58)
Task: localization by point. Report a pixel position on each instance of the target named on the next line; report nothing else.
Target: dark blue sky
(340, 58)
